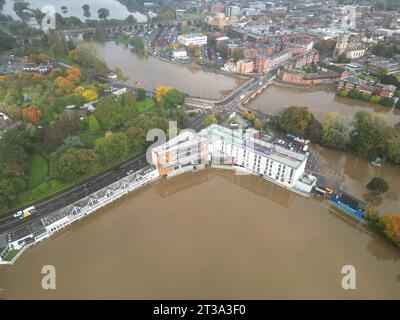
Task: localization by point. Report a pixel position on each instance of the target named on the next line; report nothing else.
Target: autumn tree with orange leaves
(161, 91)
(389, 226)
(64, 85)
(33, 114)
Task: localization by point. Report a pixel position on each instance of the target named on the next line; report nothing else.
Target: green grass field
(37, 171)
(145, 104)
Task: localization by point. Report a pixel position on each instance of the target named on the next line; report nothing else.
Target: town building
(232, 11)
(218, 8)
(245, 66)
(196, 39)
(252, 51)
(370, 87)
(218, 145)
(266, 63)
(379, 65)
(353, 50)
(300, 77)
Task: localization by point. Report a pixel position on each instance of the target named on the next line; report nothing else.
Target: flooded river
(209, 235)
(150, 72)
(320, 101)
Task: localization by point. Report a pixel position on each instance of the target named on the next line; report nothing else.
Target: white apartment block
(232, 11)
(192, 39)
(218, 145)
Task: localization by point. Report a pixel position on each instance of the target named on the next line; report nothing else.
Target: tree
(64, 85)
(161, 91)
(296, 120)
(378, 185)
(10, 188)
(387, 101)
(54, 134)
(14, 152)
(371, 135)
(210, 120)
(86, 55)
(138, 44)
(336, 132)
(113, 148)
(383, 50)
(172, 99)
(326, 45)
(75, 163)
(6, 41)
(90, 95)
(257, 123)
(355, 94)
(93, 124)
(107, 113)
(165, 14)
(249, 115)
(141, 94)
(68, 143)
(136, 136)
(343, 92)
(120, 74)
(57, 43)
(103, 13)
(314, 131)
(343, 58)
(33, 114)
(375, 99)
(391, 79)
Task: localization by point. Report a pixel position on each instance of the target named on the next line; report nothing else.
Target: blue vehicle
(349, 205)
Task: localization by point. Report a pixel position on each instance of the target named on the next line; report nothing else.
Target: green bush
(375, 99)
(378, 185)
(387, 102)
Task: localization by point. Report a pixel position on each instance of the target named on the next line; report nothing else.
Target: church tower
(341, 45)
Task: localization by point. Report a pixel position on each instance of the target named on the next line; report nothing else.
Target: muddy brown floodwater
(321, 101)
(150, 72)
(209, 235)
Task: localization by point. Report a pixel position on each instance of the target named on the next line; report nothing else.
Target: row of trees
(365, 134)
(374, 99)
(383, 50)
